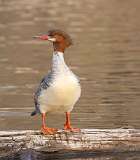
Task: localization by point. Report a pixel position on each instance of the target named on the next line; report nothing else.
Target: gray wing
(44, 84)
(46, 81)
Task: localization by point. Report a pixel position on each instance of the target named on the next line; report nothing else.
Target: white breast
(61, 96)
(64, 91)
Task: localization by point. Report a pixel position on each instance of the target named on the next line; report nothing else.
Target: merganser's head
(60, 39)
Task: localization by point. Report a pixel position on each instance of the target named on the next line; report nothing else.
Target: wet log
(104, 140)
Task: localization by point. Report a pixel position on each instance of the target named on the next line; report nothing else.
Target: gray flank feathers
(44, 84)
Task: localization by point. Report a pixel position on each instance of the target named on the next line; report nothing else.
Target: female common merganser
(60, 89)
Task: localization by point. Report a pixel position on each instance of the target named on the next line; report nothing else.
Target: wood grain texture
(116, 140)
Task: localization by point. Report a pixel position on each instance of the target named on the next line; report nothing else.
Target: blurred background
(105, 56)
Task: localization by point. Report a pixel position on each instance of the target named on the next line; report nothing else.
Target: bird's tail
(34, 113)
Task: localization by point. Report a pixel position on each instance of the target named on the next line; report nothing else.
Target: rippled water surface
(105, 55)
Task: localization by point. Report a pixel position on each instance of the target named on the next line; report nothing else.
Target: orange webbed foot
(46, 130)
(67, 125)
(70, 128)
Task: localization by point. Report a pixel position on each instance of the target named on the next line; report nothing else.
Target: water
(105, 56)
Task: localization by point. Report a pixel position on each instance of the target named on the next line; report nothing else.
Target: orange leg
(67, 125)
(44, 128)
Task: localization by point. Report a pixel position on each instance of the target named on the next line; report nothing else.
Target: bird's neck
(58, 62)
(59, 47)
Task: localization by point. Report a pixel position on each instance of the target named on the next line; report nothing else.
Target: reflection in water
(105, 56)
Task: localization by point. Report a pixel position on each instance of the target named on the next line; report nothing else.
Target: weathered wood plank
(116, 140)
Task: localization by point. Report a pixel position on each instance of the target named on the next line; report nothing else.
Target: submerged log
(116, 140)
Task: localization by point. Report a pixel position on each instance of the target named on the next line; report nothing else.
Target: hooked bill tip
(42, 37)
(36, 37)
